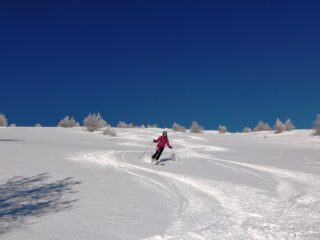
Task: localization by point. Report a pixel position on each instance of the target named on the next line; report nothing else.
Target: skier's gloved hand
(154, 140)
(170, 147)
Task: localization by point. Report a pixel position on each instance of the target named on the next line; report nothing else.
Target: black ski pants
(157, 153)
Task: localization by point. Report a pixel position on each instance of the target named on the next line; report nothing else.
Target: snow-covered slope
(69, 184)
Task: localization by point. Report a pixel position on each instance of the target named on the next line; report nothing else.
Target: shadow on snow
(22, 198)
(10, 140)
(165, 160)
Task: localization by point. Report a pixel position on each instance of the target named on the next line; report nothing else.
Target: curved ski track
(209, 209)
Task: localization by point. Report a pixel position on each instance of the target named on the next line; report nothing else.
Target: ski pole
(146, 150)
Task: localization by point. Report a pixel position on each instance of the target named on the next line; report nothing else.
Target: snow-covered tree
(12, 125)
(196, 128)
(152, 126)
(288, 125)
(267, 127)
(3, 120)
(316, 125)
(94, 122)
(109, 131)
(122, 124)
(178, 128)
(68, 122)
(246, 130)
(261, 126)
(278, 126)
(222, 129)
(38, 125)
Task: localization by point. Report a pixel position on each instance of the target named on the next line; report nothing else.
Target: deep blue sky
(217, 62)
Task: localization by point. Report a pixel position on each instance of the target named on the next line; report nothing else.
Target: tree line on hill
(94, 122)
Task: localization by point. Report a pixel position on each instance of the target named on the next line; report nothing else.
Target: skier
(162, 142)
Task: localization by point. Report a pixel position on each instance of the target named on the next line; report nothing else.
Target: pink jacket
(163, 141)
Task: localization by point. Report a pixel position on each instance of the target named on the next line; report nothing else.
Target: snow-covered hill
(70, 184)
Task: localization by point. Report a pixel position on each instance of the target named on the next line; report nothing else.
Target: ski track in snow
(209, 209)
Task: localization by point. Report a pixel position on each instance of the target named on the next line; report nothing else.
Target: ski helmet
(165, 133)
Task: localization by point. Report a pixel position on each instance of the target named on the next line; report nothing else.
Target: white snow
(58, 184)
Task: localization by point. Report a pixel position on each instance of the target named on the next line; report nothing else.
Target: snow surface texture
(69, 184)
